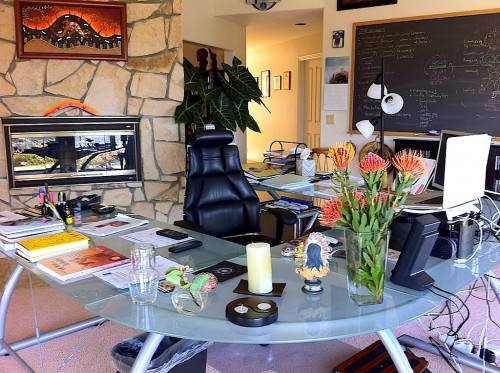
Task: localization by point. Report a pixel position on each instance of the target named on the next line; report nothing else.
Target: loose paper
(336, 90)
(150, 236)
(119, 276)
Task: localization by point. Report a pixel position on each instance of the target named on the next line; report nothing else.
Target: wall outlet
(330, 119)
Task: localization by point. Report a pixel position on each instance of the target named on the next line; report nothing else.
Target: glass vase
(366, 265)
(189, 303)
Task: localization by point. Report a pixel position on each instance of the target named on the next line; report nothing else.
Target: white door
(313, 80)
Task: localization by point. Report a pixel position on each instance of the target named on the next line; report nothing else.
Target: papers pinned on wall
(336, 92)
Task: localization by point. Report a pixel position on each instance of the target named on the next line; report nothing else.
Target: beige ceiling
(269, 28)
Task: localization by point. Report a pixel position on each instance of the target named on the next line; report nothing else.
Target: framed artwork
(355, 4)
(71, 29)
(265, 83)
(277, 83)
(338, 39)
(287, 80)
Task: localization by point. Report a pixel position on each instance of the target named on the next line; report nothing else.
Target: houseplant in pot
(367, 213)
(219, 98)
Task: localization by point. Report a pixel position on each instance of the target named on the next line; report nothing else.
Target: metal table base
(10, 349)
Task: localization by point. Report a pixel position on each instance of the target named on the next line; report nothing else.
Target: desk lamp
(390, 103)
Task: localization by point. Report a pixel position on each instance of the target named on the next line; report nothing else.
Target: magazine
(111, 226)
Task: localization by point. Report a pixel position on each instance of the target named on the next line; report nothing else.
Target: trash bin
(173, 355)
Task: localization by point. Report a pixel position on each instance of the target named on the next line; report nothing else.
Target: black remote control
(191, 244)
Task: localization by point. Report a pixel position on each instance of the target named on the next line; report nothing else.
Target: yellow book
(46, 245)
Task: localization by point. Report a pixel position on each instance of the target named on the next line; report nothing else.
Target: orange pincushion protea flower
(341, 154)
(330, 212)
(409, 163)
(373, 163)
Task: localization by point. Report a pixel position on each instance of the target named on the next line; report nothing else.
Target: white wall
(334, 20)
(283, 121)
(200, 25)
(234, 7)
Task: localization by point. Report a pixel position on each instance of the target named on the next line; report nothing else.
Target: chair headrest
(212, 138)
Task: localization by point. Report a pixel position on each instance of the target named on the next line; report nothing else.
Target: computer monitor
(438, 180)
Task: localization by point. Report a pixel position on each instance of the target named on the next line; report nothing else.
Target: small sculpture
(315, 263)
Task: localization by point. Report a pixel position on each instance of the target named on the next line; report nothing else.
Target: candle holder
(315, 263)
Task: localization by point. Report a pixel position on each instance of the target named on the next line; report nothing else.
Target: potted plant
(219, 97)
(367, 213)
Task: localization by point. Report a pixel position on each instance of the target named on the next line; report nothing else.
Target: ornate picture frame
(60, 29)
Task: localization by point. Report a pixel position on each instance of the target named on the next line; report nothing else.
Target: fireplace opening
(72, 150)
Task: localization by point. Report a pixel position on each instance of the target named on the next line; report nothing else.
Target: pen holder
(306, 167)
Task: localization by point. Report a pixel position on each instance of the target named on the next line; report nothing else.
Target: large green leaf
(243, 83)
(192, 76)
(189, 111)
(222, 111)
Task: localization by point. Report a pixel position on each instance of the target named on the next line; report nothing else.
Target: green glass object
(366, 265)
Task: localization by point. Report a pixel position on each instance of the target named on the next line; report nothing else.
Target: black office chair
(219, 200)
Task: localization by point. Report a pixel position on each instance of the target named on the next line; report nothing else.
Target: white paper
(336, 97)
(119, 276)
(108, 227)
(150, 236)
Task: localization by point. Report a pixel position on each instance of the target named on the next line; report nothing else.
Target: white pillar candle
(260, 271)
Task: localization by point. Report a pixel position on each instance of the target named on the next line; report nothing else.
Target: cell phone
(170, 233)
(183, 246)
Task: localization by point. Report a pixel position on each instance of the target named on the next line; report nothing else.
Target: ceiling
(269, 28)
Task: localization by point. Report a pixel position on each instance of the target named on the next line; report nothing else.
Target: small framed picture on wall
(277, 83)
(265, 83)
(338, 39)
(287, 80)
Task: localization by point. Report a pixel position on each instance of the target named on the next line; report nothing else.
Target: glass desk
(302, 318)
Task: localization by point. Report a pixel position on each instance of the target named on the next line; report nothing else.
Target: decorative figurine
(315, 263)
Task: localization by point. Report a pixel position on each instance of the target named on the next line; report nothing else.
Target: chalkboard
(446, 68)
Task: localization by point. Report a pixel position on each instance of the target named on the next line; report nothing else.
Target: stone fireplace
(149, 85)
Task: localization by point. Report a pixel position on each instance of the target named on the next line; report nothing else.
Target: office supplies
(224, 270)
(288, 181)
(103, 209)
(260, 171)
(410, 267)
(86, 201)
(252, 312)
(114, 225)
(118, 276)
(184, 246)
(170, 233)
(81, 263)
(150, 236)
(276, 291)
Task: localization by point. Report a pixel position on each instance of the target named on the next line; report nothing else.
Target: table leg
(395, 351)
(10, 286)
(146, 353)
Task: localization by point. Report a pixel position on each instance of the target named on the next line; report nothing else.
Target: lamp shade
(392, 103)
(366, 128)
(375, 88)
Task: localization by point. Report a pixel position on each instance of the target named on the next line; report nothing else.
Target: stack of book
(12, 231)
(38, 248)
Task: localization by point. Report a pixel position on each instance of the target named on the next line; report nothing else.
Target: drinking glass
(142, 256)
(143, 278)
(143, 286)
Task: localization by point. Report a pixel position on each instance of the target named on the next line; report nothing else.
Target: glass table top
(302, 317)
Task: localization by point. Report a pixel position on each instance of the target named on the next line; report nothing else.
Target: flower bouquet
(367, 213)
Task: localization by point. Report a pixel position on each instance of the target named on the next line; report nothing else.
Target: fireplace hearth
(72, 150)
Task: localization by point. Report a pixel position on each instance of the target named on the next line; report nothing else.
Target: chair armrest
(285, 216)
(191, 226)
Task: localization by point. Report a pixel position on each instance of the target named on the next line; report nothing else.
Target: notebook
(34, 249)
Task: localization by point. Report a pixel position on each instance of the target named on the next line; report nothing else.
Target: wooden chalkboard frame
(351, 129)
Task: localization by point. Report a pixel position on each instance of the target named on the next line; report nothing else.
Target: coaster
(242, 288)
(224, 270)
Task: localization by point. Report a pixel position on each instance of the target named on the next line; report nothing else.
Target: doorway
(313, 81)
